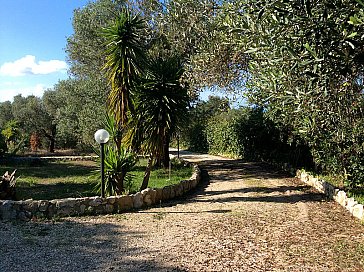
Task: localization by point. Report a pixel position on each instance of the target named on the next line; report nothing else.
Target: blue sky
(33, 37)
(32, 44)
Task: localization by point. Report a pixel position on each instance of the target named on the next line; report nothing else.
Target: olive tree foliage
(86, 91)
(303, 62)
(85, 47)
(37, 115)
(82, 111)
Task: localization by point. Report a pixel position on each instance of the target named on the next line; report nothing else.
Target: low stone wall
(338, 195)
(29, 209)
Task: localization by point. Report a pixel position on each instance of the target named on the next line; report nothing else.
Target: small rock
(111, 199)
(96, 201)
(109, 208)
(43, 205)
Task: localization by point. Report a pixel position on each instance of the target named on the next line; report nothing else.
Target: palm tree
(124, 62)
(161, 107)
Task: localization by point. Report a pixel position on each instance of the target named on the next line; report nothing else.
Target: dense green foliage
(246, 133)
(302, 61)
(118, 164)
(193, 134)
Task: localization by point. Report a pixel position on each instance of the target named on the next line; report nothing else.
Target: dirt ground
(243, 217)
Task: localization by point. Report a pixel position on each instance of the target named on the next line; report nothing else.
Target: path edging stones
(30, 209)
(340, 196)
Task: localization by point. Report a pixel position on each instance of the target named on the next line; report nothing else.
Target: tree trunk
(51, 137)
(165, 158)
(52, 143)
(120, 183)
(147, 173)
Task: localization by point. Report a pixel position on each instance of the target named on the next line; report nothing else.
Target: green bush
(249, 134)
(3, 146)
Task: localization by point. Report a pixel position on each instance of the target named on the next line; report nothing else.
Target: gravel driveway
(243, 217)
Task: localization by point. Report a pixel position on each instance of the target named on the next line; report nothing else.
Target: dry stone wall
(30, 209)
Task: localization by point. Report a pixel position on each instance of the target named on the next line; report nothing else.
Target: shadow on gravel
(226, 170)
(292, 198)
(233, 168)
(74, 246)
(187, 212)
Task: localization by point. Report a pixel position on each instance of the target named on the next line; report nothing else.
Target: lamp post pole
(102, 137)
(102, 157)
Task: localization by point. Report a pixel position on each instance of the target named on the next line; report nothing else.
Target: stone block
(193, 183)
(51, 210)
(298, 173)
(125, 203)
(166, 193)
(149, 196)
(138, 200)
(64, 211)
(178, 188)
(109, 208)
(358, 211)
(341, 198)
(24, 216)
(71, 202)
(350, 203)
(304, 177)
(185, 186)
(158, 195)
(96, 201)
(329, 189)
(43, 205)
(30, 206)
(111, 200)
(336, 191)
(172, 192)
(82, 209)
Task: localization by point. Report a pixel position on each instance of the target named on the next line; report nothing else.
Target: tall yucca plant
(161, 106)
(124, 62)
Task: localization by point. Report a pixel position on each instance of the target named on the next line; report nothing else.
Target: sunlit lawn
(79, 179)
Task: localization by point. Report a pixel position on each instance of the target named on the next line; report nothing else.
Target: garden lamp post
(102, 137)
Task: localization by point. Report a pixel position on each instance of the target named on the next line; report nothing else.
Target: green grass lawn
(80, 178)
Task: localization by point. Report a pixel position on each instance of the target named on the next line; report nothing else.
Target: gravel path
(244, 217)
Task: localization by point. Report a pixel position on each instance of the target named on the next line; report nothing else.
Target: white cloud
(29, 66)
(8, 94)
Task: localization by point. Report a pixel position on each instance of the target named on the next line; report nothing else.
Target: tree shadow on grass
(55, 190)
(75, 246)
(51, 170)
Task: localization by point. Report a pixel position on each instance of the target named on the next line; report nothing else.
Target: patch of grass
(357, 194)
(159, 177)
(77, 178)
(159, 216)
(54, 180)
(336, 180)
(339, 182)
